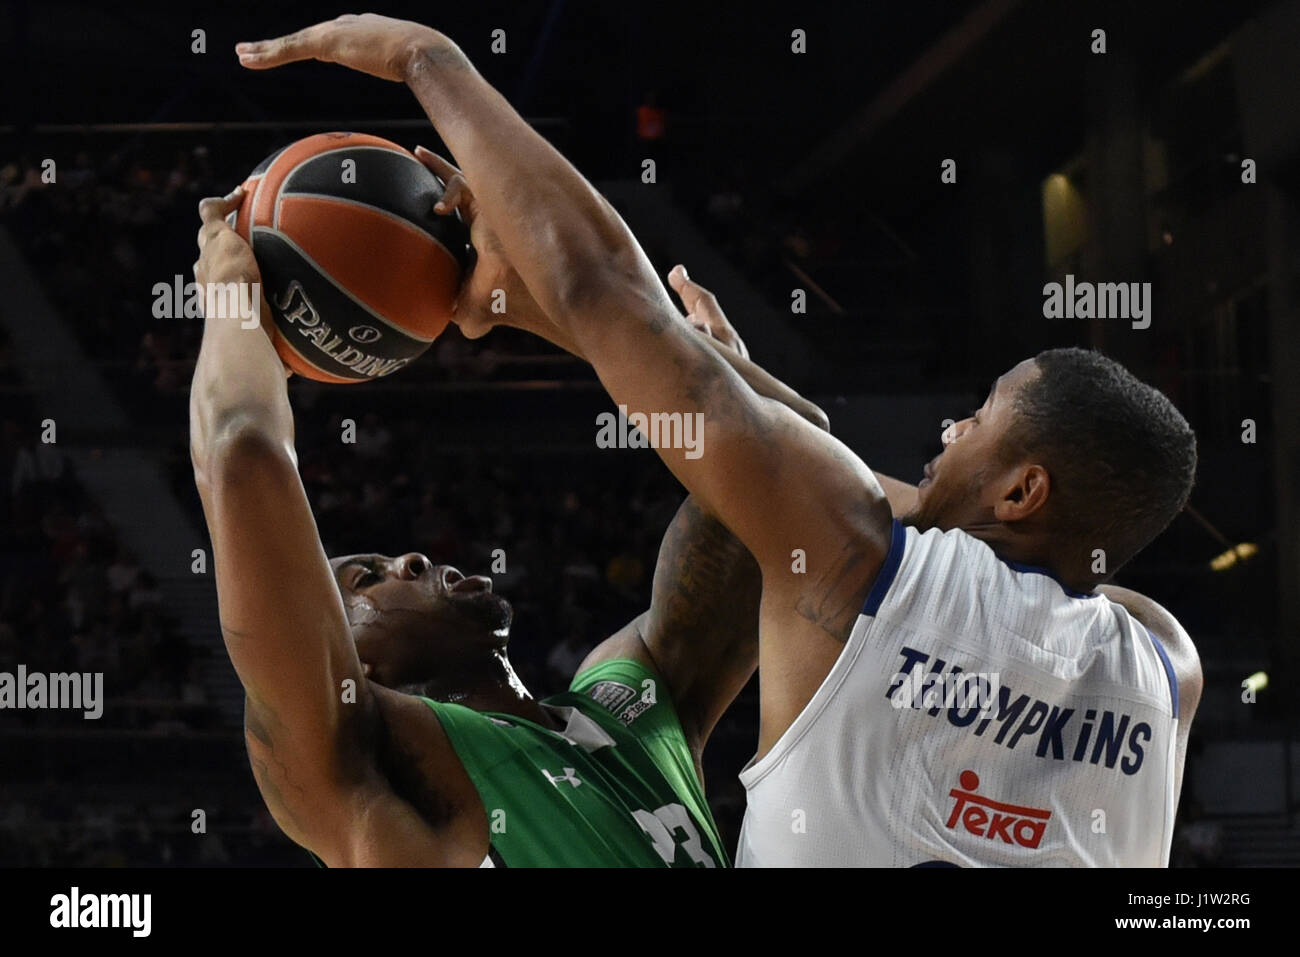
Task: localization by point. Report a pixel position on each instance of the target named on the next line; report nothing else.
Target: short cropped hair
(1122, 459)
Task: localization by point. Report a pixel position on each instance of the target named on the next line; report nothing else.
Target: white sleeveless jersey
(980, 714)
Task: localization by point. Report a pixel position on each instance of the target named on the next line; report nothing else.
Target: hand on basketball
(380, 46)
(704, 313)
(224, 256)
(492, 281)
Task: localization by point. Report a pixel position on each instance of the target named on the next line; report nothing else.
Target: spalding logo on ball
(361, 275)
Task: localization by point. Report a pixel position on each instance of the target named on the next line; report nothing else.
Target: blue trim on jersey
(885, 577)
(1020, 567)
(1169, 668)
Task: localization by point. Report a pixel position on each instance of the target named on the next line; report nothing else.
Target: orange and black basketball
(361, 275)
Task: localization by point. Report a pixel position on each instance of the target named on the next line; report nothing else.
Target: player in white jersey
(1071, 465)
(983, 710)
(981, 713)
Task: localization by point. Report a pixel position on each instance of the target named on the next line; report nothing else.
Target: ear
(1027, 492)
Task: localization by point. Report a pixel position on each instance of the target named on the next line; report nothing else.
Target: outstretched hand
(370, 43)
(703, 311)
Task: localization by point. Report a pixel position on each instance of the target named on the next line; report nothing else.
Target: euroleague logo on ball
(364, 334)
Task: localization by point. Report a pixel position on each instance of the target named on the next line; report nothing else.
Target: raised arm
(785, 488)
(779, 484)
(312, 723)
(701, 630)
(809, 511)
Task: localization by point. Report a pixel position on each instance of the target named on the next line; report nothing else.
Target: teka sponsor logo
(983, 817)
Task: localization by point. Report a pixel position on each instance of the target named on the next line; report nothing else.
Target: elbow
(598, 272)
(593, 260)
(589, 283)
(238, 445)
(808, 411)
(598, 302)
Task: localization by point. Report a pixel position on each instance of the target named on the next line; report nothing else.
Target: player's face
(413, 620)
(979, 461)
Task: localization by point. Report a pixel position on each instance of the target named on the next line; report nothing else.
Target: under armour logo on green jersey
(568, 775)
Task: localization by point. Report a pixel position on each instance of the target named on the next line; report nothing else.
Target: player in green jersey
(384, 723)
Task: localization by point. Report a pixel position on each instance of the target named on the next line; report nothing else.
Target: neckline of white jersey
(1038, 570)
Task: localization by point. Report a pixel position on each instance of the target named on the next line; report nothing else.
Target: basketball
(359, 272)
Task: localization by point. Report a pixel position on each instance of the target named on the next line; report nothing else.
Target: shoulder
(1173, 638)
(627, 642)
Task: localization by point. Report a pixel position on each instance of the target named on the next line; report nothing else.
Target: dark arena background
(1172, 158)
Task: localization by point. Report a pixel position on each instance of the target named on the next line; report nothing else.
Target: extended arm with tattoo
(586, 271)
(781, 485)
(701, 630)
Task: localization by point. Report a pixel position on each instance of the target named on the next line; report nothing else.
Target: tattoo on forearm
(706, 567)
(707, 387)
(831, 605)
(834, 597)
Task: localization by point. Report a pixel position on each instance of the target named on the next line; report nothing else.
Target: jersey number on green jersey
(668, 826)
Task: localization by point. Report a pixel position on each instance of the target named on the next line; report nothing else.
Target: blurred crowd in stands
(60, 826)
(72, 597)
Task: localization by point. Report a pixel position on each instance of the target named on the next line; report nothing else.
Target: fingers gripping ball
(359, 272)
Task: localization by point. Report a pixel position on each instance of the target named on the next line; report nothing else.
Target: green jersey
(615, 788)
